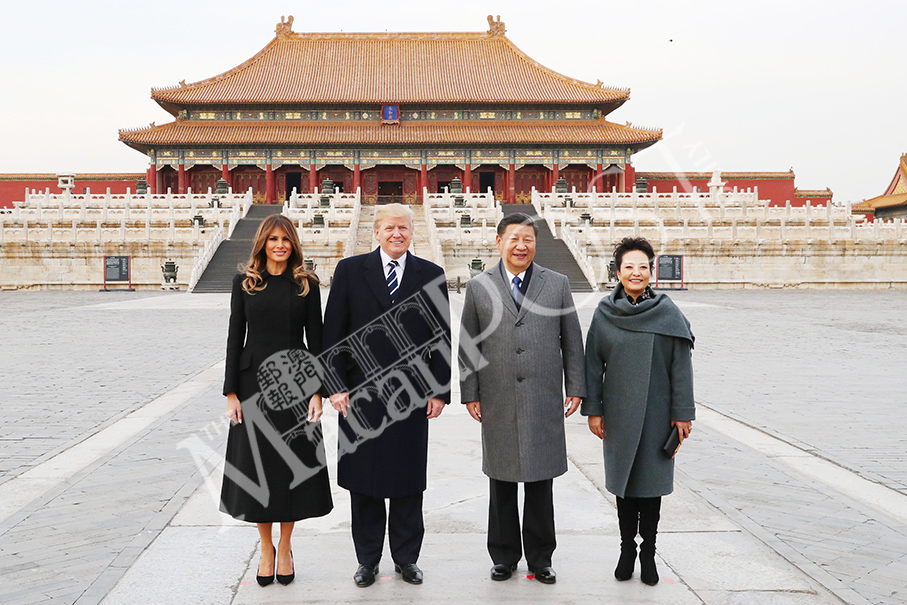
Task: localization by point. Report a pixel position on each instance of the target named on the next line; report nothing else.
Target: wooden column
(313, 178)
(152, 179)
(181, 179)
(357, 181)
(511, 184)
(423, 178)
(629, 177)
(599, 181)
(270, 190)
(225, 174)
(467, 178)
(554, 176)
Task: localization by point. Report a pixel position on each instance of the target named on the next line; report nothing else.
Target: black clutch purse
(672, 444)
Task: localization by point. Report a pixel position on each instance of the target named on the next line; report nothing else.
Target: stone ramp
(553, 253)
(218, 276)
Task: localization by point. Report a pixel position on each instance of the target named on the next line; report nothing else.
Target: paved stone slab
(182, 560)
(93, 526)
(72, 367)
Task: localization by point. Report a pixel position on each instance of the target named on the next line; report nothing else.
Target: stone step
(553, 253)
(218, 276)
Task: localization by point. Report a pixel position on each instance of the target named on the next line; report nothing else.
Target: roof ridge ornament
(495, 28)
(284, 28)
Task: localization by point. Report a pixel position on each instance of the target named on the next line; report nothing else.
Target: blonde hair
(386, 211)
(258, 260)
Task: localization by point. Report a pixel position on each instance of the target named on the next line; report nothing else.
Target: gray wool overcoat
(515, 363)
(638, 381)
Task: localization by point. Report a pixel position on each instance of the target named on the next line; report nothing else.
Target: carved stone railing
(434, 243)
(572, 237)
(303, 207)
(349, 248)
(201, 263)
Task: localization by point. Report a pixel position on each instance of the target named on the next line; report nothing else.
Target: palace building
(390, 114)
(892, 203)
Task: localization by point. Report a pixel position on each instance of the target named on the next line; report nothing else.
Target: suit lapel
(536, 283)
(411, 276)
(499, 278)
(373, 274)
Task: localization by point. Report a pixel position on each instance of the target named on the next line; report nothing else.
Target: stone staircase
(420, 246)
(553, 253)
(218, 276)
(365, 237)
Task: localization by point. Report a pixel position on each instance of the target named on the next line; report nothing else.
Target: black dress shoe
(365, 575)
(502, 572)
(545, 575)
(265, 580)
(286, 579)
(411, 572)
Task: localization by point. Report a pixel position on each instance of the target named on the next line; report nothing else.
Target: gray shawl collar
(657, 315)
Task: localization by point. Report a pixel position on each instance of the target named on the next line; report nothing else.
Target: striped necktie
(392, 285)
(516, 291)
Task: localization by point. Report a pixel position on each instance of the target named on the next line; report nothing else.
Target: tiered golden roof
(351, 68)
(320, 70)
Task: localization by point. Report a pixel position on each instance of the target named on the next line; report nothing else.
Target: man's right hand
(597, 426)
(475, 410)
(341, 402)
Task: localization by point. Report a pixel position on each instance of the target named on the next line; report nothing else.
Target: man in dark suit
(387, 341)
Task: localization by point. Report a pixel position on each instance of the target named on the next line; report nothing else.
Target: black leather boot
(649, 514)
(628, 522)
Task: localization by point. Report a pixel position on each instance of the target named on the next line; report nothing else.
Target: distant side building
(777, 187)
(13, 186)
(892, 203)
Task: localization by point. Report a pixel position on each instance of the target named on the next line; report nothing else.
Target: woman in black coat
(275, 469)
(639, 381)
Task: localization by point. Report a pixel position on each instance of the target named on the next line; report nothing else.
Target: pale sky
(817, 86)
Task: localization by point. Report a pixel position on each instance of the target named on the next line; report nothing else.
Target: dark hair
(629, 244)
(517, 218)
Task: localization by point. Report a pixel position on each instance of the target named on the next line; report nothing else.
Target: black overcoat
(391, 358)
(271, 321)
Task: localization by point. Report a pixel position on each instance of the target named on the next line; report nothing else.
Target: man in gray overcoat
(520, 341)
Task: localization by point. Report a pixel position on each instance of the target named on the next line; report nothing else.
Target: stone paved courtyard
(793, 490)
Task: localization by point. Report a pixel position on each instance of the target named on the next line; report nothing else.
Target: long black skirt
(275, 468)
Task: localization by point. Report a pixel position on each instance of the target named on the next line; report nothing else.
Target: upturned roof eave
(168, 97)
(132, 137)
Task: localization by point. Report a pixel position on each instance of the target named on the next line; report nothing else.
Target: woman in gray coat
(639, 381)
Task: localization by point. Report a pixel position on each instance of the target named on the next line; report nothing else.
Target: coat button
(520, 379)
(519, 323)
(519, 351)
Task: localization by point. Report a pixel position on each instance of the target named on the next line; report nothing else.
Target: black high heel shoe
(285, 579)
(265, 580)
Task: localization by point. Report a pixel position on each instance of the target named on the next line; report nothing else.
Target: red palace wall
(12, 186)
(778, 188)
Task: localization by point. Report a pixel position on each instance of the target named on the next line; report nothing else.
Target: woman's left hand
(685, 428)
(315, 409)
